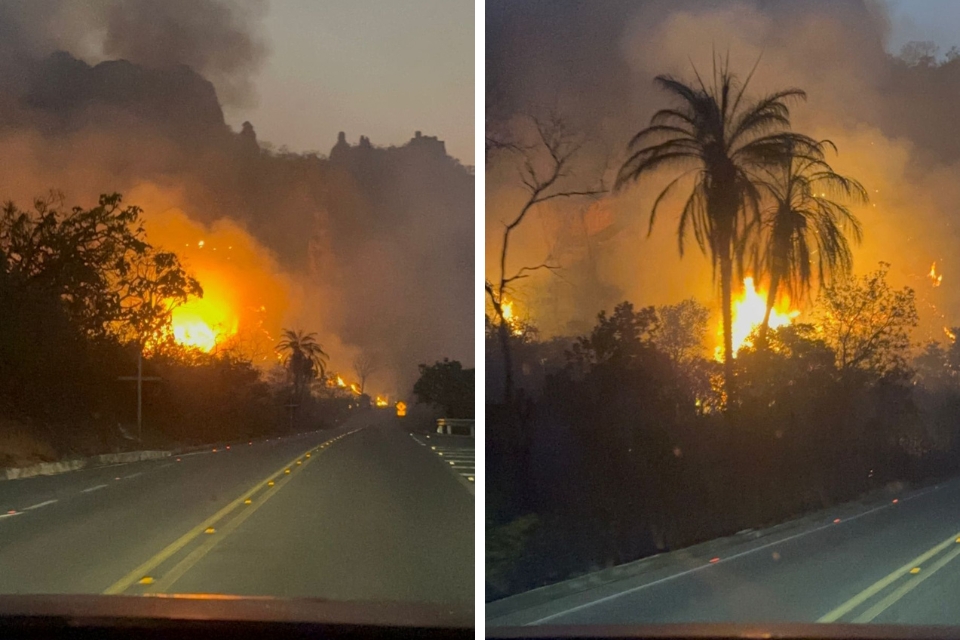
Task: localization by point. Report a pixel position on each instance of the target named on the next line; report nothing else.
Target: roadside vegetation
(638, 438)
(82, 294)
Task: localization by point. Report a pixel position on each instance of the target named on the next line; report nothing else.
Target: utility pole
(140, 380)
(293, 408)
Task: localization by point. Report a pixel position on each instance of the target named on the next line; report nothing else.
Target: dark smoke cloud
(220, 39)
(894, 125)
(377, 243)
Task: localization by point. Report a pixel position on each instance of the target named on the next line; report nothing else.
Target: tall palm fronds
(303, 357)
(718, 142)
(805, 228)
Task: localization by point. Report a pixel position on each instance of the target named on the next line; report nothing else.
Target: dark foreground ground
(365, 513)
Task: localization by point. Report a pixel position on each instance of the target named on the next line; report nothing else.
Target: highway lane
(890, 561)
(357, 518)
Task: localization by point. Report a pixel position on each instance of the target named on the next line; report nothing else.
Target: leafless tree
(365, 365)
(546, 174)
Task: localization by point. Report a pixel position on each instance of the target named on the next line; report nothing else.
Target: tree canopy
(447, 386)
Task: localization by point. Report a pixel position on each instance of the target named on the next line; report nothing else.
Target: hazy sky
(381, 68)
(937, 20)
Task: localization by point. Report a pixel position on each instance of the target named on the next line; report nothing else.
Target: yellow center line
(197, 554)
(144, 569)
(906, 588)
(883, 583)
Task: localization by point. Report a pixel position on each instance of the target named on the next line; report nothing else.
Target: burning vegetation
(201, 316)
(152, 127)
(824, 379)
(749, 310)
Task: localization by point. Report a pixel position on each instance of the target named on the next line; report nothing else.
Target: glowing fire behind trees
(203, 325)
(514, 322)
(245, 294)
(748, 311)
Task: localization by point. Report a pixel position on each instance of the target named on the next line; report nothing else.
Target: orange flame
(748, 311)
(511, 317)
(934, 278)
(203, 322)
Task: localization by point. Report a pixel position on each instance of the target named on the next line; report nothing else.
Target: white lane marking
(89, 489)
(40, 504)
(735, 556)
(133, 475)
(461, 460)
(9, 515)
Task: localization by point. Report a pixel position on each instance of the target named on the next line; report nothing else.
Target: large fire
(245, 293)
(191, 330)
(748, 311)
(205, 322)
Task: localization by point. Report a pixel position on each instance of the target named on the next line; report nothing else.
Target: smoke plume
(372, 248)
(890, 118)
(221, 40)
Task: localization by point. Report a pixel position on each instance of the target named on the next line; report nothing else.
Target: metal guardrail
(455, 426)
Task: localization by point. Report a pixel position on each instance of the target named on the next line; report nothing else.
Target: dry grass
(19, 447)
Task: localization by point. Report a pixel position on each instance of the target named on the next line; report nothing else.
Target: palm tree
(719, 141)
(806, 225)
(303, 357)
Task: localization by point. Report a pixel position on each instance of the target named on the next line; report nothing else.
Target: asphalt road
(894, 560)
(364, 514)
(456, 451)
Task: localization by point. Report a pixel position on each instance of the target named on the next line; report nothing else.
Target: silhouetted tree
(805, 228)
(917, 53)
(447, 385)
(109, 279)
(81, 291)
(304, 359)
(682, 330)
(365, 365)
(867, 323)
(617, 337)
(545, 173)
(932, 368)
(717, 140)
